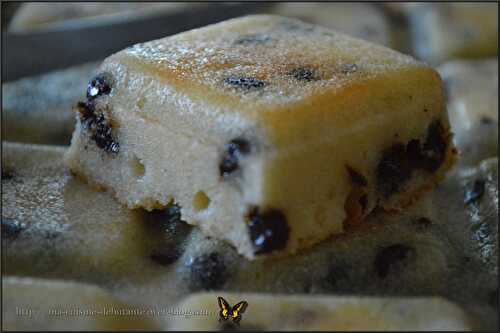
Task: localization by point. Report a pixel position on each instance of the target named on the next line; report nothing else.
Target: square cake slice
(270, 133)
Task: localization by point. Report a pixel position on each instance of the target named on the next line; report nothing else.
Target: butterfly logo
(227, 312)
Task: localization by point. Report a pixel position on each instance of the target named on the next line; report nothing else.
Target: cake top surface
(263, 58)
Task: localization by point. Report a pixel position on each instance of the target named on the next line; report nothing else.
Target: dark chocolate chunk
(268, 230)
(434, 147)
(303, 74)
(102, 135)
(87, 112)
(99, 85)
(475, 193)
(357, 179)
(98, 127)
(414, 152)
(208, 272)
(252, 39)
(168, 220)
(393, 170)
(233, 153)
(244, 82)
(391, 257)
(11, 228)
(165, 257)
(399, 161)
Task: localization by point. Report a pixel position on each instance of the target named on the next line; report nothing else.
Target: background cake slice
(40, 304)
(270, 133)
(472, 98)
(323, 313)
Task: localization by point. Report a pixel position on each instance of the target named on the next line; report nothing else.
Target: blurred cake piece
(52, 305)
(361, 20)
(53, 225)
(38, 109)
(322, 313)
(270, 133)
(470, 197)
(38, 15)
(472, 93)
(443, 31)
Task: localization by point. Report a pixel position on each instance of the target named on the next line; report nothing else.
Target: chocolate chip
(234, 150)
(475, 193)
(165, 257)
(252, 39)
(434, 148)
(414, 152)
(11, 228)
(268, 230)
(102, 135)
(87, 112)
(399, 161)
(98, 127)
(168, 221)
(393, 170)
(302, 74)
(348, 68)
(244, 82)
(99, 85)
(208, 272)
(356, 178)
(391, 257)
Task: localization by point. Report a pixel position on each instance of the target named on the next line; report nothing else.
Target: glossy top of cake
(263, 58)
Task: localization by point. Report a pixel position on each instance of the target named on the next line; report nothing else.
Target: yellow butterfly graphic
(234, 313)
